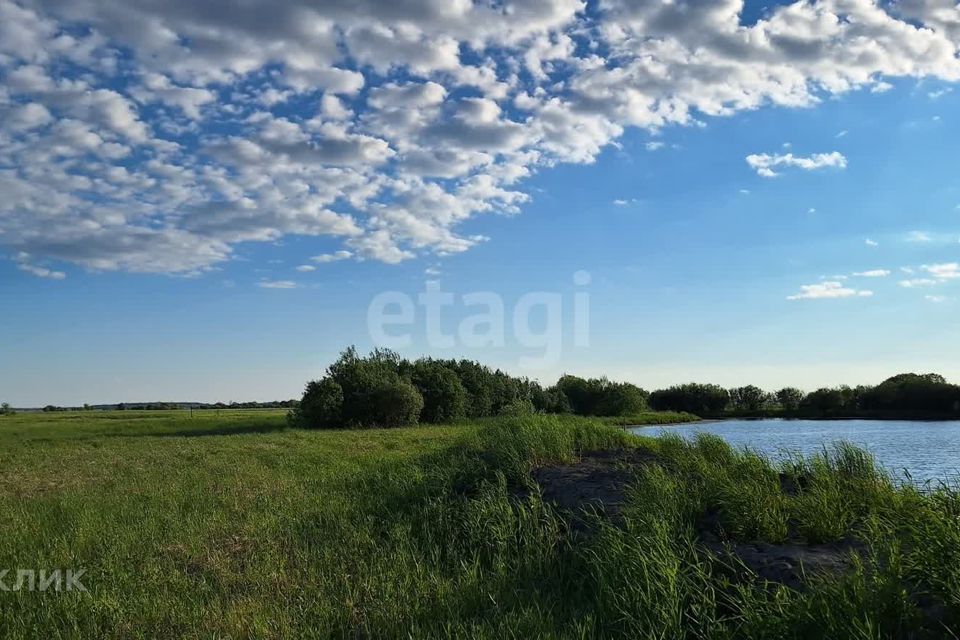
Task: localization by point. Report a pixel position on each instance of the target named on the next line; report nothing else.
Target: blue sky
(246, 278)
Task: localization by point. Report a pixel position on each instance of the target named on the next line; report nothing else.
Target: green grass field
(234, 526)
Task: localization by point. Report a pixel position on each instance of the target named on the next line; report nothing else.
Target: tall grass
(197, 530)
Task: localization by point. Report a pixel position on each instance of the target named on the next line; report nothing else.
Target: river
(927, 451)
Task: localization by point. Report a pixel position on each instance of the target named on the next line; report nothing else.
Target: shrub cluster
(384, 390)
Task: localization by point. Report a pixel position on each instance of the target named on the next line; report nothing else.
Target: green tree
(824, 402)
(621, 399)
(748, 398)
(392, 403)
(789, 398)
(372, 393)
(699, 399)
(321, 406)
(6, 409)
(445, 399)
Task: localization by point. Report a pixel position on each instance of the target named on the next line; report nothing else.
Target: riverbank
(239, 527)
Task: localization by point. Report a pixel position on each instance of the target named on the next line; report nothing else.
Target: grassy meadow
(232, 525)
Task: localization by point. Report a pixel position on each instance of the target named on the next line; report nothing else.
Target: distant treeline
(907, 395)
(176, 406)
(385, 390)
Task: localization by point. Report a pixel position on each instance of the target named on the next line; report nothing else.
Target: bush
(444, 397)
(600, 397)
(360, 392)
(518, 408)
(395, 403)
(699, 399)
(622, 399)
(321, 406)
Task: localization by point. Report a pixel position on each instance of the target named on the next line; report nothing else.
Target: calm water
(928, 450)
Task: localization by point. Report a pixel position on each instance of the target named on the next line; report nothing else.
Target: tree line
(384, 390)
(6, 409)
(907, 395)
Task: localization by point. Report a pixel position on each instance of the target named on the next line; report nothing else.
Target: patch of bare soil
(789, 564)
(598, 482)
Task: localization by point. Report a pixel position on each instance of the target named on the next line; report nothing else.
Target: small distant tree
(6, 409)
(748, 398)
(789, 398)
(824, 402)
(622, 399)
(699, 399)
(551, 400)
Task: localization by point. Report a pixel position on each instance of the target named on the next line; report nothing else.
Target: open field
(236, 526)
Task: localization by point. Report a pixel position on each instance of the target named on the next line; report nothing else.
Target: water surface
(925, 450)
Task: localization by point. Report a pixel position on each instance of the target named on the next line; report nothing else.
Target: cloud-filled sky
(302, 156)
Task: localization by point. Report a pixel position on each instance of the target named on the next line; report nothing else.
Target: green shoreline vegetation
(237, 525)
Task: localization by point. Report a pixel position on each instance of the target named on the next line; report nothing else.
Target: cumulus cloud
(765, 163)
(828, 290)
(154, 136)
(873, 273)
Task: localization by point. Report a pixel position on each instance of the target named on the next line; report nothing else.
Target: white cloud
(765, 163)
(23, 263)
(914, 283)
(385, 126)
(873, 273)
(621, 203)
(654, 145)
(277, 284)
(332, 257)
(935, 299)
(919, 237)
(828, 290)
(306, 268)
(871, 243)
(945, 271)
